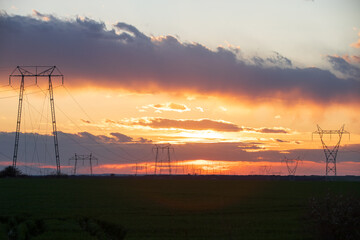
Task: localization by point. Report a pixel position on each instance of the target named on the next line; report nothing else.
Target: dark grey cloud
(272, 130)
(121, 137)
(130, 32)
(346, 68)
(37, 148)
(124, 57)
(276, 60)
(266, 130)
(45, 17)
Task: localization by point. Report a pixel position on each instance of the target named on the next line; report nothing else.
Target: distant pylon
(265, 170)
(291, 165)
(83, 158)
(138, 168)
(36, 72)
(162, 157)
(331, 153)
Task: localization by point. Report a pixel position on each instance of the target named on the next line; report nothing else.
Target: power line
(132, 157)
(2, 154)
(77, 142)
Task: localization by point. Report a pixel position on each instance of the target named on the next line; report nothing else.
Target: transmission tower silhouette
(83, 158)
(162, 157)
(291, 164)
(331, 153)
(265, 170)
(36, 72)
(142, 168)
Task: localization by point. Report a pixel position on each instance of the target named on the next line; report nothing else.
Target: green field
(161, 207)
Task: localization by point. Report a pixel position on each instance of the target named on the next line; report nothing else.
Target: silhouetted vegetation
(21, 227)
(24, 227)
(336, 217)
(101, 229)
(11, 171)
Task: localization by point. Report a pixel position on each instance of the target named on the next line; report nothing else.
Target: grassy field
(161, 207)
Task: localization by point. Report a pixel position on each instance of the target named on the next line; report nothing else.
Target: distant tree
(10, 171)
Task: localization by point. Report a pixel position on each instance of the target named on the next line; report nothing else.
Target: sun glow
(194, 136)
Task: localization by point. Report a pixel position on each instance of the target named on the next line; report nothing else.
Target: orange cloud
(169, 107)
(356, 44)
(109, 121)
(201, 124)
(352, 59)
(85, 121)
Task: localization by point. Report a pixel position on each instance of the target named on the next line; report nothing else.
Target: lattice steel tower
(331, 153)
(84, 157)
(36, 72)
(291, 164)
(163, 156)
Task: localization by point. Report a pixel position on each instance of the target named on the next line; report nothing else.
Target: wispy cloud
(272, 130)
(85, 121)
(357, 43)
(169, 107)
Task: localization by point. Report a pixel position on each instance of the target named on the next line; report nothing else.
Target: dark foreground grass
(161, 208)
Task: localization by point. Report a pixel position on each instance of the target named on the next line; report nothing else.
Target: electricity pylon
(160, 157)
(36, 72)
(291, 165)
(83, 158)
(265, 170)
(331, 153)
(139, 168)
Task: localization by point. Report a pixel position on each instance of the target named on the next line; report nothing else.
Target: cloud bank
(192, 124)
(118, 149)
(89, 54)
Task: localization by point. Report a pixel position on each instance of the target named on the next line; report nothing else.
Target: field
(148, 207)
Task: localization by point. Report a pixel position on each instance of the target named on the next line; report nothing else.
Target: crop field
(162, 207)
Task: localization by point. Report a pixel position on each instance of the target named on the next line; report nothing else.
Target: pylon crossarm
(32, 71)
(83, 157)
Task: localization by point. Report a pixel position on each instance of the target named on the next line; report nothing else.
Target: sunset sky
(234, 86)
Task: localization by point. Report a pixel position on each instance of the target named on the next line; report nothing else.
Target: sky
(235, 87)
